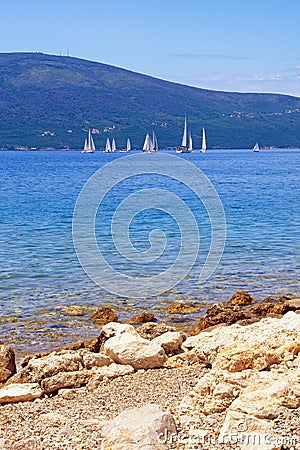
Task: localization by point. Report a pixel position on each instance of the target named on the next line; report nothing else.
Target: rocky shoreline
(233, 381)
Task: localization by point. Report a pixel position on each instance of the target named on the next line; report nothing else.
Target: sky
(228, 45)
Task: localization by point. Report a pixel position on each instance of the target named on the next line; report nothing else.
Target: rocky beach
(233, 381)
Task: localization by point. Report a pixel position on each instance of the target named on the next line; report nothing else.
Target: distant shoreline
(136, 150)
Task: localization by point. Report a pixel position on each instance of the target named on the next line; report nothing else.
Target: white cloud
(281, 83)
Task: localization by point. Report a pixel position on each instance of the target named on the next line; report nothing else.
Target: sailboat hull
(88, 151)
(183, 150)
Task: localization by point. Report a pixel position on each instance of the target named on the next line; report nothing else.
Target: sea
(47, 295)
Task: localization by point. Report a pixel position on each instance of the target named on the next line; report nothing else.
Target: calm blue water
(45, 296)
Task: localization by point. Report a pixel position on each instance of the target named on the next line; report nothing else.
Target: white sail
(148, 146)
(203, 148)
(190, 147)
(85, 147)
(146, 143)
(113, 145)
(184, 136)
(107, 146)
(151, 146)
(154, 142)
(187, 142)
(92, 143)
(128, 146)
(256, 147)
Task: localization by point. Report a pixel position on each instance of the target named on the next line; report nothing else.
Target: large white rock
(38, 369)
(61, 380)
(20, 392)
(170, 341)
(91, 360)
(247, 432)
(256, 346)
(140, 353)
(138, 428)
(270, 395)
(115, 328)
(216, 391)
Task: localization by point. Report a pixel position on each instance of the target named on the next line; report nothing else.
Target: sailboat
(107, 146)
(187, 142)
(89, 146)
(150, 145)
(203, 148)
(128, 147)
(256, 147)
(113, 145)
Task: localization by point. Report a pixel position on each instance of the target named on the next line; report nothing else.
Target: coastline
(30, 336)
(252, 346)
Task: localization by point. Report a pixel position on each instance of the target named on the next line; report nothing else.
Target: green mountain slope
(48, 101)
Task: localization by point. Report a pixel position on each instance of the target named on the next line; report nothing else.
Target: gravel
(73, 418)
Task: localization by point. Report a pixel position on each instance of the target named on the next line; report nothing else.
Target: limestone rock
(104, 316)
(30, 356)
(216, 391)
(114, 329)
(248, 432)
(241, 299)
(56, 362)
(254, 346)
(241, 309)
(170, 341)
(92, 344)
(143, 317)
(66, 379)
(7, 362)
(270, 395)
(140, 353)
(179, 308)
(138, 428)
(292, 304)
(183, 358)
(12, 393)
(251, 358)
(152, 330)
(91, 360)
(219, 314)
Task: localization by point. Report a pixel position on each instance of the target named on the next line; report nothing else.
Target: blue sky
(233, 45)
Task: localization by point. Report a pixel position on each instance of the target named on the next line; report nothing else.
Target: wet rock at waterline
(103, 316)
(7, 362)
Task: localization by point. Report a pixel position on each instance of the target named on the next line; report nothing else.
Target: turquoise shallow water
(45, 296)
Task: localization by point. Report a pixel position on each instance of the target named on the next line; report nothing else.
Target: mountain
(49, 101)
